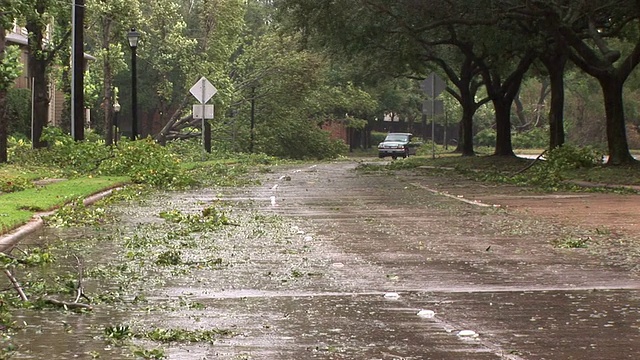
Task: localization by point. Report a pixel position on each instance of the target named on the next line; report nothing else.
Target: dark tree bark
(616, 130)
(107, 76)
(587, 47)
(502, 94)
(555, 63)
(4, 126)
(38, 60)
(465, 80)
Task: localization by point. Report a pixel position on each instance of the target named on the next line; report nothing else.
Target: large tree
(109, 21)
(6, 21)
(591, 29)
(10, 68)
(38, 14)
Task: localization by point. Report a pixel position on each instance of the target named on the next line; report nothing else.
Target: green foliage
(571, 157)
(571, 243)
(485, 137)
(18, 112)
(118, 332)
(77, 214)
(210, 218)
(183, 335)
(11, 184)
(35, 257)
(74, 158)
(10, 67)
(551, 173)
(155, 354)
(145, 161)
(537, 138)
(170, 257)
(299, 140)
(377, 137)
(18, 148)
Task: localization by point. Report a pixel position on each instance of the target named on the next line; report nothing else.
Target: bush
(377, 137)
(18, 112)
(63, 153)
(486, 137)
(569, 157)
(537, 138)
(11, 184)
(299, 140)
(550, 173)
(145, 161)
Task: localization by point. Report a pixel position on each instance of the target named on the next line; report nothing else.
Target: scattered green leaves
(572, 243)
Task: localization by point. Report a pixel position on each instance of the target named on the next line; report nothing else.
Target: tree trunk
(555, 65)
(41, 101)
(467, 89)
(616, 130)
(38, 72)
(108, 93)
(466, 128)
(502, 94)
(4, 127)
(460, 146)
(503, 127)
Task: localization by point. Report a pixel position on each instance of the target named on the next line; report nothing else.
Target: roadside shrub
(550, 173)
(377, 137)
(63, 153)
(145, 161)
(18, 111)
(301, 140)
(486, 137)
(12, 184)
(533, 139)
(17, 148)
(568, 157)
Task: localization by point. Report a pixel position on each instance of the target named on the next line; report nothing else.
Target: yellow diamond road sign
(203, 90)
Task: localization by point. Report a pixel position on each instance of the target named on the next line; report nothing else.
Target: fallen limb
(66, 304)
(530, 165)
(16, 285)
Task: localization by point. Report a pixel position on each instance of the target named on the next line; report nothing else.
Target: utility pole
(77, 72)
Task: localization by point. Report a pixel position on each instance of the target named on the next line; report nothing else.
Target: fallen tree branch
(79, 286)
(530, 165)
(16, 285)
(66, 304)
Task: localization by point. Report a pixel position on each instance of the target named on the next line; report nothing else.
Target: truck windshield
(397, 137)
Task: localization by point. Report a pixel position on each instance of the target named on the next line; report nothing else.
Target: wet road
(479, 268)
(352, 258)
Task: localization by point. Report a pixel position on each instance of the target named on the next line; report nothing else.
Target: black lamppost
(133, 37)
(116, 110)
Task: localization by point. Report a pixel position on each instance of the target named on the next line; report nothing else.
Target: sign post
(433, 86)
(203, 91)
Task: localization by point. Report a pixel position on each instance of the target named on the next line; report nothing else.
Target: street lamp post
(133, 37)
(116, 110)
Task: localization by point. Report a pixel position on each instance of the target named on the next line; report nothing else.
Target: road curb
(9, 240)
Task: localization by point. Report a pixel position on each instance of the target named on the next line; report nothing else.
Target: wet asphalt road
(363, 254)
(479, 268)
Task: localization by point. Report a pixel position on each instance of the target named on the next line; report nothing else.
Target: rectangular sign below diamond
(208, 111)
(433, 107)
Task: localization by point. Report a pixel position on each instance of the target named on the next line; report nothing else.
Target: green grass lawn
(18, 207)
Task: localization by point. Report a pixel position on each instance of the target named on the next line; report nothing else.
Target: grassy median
(19, 207)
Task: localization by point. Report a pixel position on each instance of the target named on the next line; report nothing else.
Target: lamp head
(133, 37)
